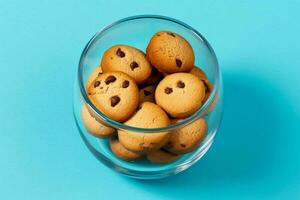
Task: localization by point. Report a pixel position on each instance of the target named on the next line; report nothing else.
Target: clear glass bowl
(137, 31)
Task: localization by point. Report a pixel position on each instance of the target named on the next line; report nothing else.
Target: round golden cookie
(95, 73)
(170, 53)
(161, 157)
(127, 59)
(199, 73)
(93, 126)
(115, 94)
(120, 151)
(180, 94)
(147, 94)
(149, 115)
(186, 139)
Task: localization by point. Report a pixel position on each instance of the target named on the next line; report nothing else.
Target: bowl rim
(118, 125)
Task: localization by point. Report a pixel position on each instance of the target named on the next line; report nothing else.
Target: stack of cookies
(151, 90)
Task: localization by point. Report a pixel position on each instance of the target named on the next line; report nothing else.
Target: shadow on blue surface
(246, 145)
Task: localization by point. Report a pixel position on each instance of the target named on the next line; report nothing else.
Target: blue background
(256, 153)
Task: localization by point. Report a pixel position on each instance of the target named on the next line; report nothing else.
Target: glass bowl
(137, 31)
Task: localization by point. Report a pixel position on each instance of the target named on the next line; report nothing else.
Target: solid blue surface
(256, 152)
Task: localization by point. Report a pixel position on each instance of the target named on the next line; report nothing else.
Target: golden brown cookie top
(127, 59)
(149, 115)
(180, 94)
(93, 126)
(169, 52)
(115, 94)
(120, 151)
(197, 71)
(186, 139)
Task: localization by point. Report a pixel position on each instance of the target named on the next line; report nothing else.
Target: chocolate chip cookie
(186, 139)
(129, 60)
(169, 52)
(180, 94)
(120, 151)
(199, 73)
(149, 115)
(115, 94)
(161, 157)
(93, 126)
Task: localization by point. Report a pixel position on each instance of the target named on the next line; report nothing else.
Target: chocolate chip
(133, 65)
(180, 84)
(168, 90)
(110, 79)
(125, 84)
(183, 145)
(114, 100)
(120, 53)
(147, 93)
(100, 73)
(178, 62)
(170, 33)
(157, 34)
(96, 84)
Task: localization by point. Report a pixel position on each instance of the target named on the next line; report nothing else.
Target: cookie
(127, 59)
(120, 151)
(149, 115)
(208, 88)
(93, 126)
(147, 94)
(154, 78)
(213, 104)
(161, 157)
(170, 53)
(115, 94)
(199, 73)
(180, 94)
(95, 73)
(186, 139)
